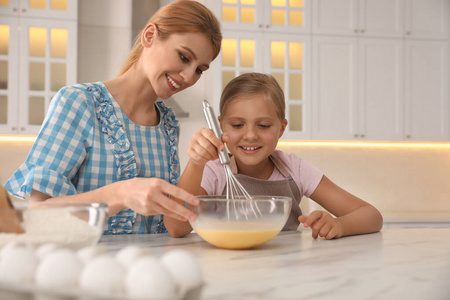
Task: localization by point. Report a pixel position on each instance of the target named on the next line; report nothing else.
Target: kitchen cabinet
(38, 51)
(357, 88)
(378, 81)
(427, 19)
(270, 37)
(427, 97)
(358, 17)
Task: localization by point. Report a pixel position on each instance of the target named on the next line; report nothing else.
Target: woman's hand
(322, 224)
(203, 146)
(151, 196)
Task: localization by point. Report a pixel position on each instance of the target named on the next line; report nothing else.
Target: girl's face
(252, 127)
(176, 63)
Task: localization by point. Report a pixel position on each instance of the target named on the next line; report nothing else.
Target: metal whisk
(234, 189)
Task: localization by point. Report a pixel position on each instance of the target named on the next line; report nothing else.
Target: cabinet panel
(427, 19)
(334, 88)
(337, 17)
(8, 73)
(382, 18)
(54, 9)
(380, 73)
(427, 90)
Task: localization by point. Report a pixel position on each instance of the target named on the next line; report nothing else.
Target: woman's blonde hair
(181, 16)
(249, 84)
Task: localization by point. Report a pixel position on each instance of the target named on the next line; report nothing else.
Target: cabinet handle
(356, 136)
(356, 30)
(408, 136)
(24, 10)
(362, 31)
(267, 26)
(15, 9)
(260, 26)
(363, 135)
(22, 128)
(13, 128)
(408, 32)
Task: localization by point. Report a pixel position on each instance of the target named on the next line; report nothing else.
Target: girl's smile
(252, 128)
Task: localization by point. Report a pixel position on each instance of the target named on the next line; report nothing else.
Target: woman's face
(176, 63)
(252, 127)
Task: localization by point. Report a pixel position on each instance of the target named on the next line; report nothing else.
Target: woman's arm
(353, 215)
(146, 196)
(202, 148)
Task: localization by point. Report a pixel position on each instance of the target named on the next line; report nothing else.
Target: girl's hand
(203, 146)
(149, 196)
(322, 224)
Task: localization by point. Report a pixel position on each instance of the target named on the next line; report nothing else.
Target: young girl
(113, 141)
(252, 118)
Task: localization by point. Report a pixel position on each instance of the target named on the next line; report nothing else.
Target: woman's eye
(199, 71)
(183, 57)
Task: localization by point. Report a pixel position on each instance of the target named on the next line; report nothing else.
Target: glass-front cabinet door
(8, 74)
(37, 58)
(53, 9)
(270, 15)
(270, 36)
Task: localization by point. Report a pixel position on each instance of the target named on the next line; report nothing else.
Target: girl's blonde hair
(249, 84)
(182, 16)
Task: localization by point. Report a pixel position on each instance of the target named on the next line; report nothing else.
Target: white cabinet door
(357, 88)
(373, 18)
(335, 17)
(380, 94)
(427, 19)
(61, 9)
(427, 90)
(381, 18)
(9, 58)
(335, 82)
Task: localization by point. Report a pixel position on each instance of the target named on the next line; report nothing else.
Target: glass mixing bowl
(240, 223)
(69, 224)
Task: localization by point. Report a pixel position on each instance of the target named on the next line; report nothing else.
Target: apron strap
(275, 161)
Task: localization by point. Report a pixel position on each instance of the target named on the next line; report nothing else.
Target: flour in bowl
(56, 225)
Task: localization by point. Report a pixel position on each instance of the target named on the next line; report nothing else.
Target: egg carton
(31, 292)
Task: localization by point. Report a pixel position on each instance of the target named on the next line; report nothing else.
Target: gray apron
(286, 187)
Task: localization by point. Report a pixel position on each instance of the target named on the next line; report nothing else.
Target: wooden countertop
(391, 264)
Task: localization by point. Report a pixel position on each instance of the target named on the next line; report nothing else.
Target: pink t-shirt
(305, 175)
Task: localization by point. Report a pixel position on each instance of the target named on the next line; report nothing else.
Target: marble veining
(391, 264)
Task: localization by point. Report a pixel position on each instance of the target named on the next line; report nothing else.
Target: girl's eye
(236, 125)
(200, 72)
(264, 126)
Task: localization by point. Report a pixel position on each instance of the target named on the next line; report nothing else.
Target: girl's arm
(353, 215)
(202, 148)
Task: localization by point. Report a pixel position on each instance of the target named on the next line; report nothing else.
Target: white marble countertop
(391, 264)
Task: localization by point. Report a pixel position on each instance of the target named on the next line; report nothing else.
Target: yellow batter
(236, 239)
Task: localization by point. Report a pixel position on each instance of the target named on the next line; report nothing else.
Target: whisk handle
(214, 126)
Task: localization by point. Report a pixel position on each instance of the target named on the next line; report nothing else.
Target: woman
(112, 141)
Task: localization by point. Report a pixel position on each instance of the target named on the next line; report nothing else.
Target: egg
(59, 269)
(90, 252)
(45, 249)
(127, 255)
(148, 278)
(14, 244)
(18, 265)
(183, 267)
(103, 275)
